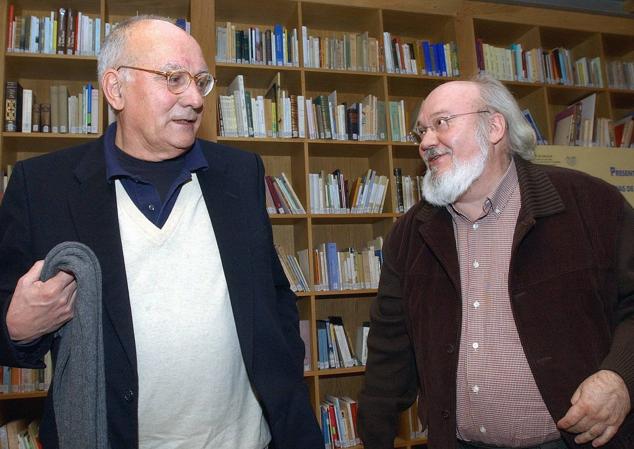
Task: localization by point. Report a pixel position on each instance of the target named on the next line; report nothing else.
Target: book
(13, 106)
(304, 332)
(531, 121)
(27, 110)
(361, 346)
(565, 126)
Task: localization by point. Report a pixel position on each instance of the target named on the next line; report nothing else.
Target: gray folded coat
(78, 386)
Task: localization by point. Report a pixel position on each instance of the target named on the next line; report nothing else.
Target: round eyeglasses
(438, 125)
(178, 80)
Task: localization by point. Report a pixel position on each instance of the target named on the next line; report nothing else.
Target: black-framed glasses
(439, 125)
(178, 80)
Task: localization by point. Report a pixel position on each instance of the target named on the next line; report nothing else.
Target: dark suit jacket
(65, 196)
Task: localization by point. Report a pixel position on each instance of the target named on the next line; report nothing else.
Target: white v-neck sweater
(194, 392)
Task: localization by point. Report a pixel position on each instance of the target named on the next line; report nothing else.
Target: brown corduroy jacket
(571, 286)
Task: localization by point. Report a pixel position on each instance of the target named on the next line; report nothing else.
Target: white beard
(444, 189)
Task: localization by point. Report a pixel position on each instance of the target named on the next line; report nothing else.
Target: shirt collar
(499, 198)
(194, 158)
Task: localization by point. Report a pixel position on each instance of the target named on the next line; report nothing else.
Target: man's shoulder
(217, 149)
(579, 183)
(66, 157)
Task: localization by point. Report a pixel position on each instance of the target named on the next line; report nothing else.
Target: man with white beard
(506, 300)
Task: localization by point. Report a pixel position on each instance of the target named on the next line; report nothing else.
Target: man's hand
(599, 406)
(38, 308)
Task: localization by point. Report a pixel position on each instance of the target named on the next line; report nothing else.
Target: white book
(237, 89)
(301, 116)
(94, 107)
(362, 343)
(27, 110)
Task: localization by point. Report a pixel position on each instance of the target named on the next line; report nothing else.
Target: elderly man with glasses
(506, 300)
(201, 345)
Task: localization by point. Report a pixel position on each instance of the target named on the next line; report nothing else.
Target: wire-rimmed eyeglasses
(178, 80)
(439, 125)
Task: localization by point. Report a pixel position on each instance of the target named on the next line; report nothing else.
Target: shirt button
(475, 388)
(129, 396)
(475, 345)
(483, 429)
(476, 264)
(476, 304)
(497, 211)
(151, 207)
(476, 225)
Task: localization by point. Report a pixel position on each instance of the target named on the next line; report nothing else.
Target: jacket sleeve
(286, 301)
(15, 260)
(620, 359)
(390, 377)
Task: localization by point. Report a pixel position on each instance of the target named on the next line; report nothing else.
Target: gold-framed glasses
(438, 125)
(178, 80)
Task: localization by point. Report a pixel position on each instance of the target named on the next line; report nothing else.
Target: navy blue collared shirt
(154, 197)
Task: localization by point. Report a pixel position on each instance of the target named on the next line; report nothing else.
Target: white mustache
(188, 118)
(432, 152)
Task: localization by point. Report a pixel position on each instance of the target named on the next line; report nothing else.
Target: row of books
(335, 349)
(331, 193)
(400, 121)
(281, 197)
(409, 190)
(296, 270)
(328, 119)
(577, 125)
(242, 44)
(538, 65)
(339, 422)
(420, 57)
(347, 268)
(62, 31)
(341, 51)
(22, 380)
(77, 114)
(20, 434)
(621, 74)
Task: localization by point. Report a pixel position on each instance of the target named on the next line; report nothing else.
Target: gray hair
(114, 52)
(496, 97)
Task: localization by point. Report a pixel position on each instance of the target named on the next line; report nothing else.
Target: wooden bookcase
(453, 20)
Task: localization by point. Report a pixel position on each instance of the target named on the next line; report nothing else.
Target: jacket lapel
(436, 230)
(229, 221)
(93, 207)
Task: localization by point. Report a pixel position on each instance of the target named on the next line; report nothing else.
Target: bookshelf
(462, 22)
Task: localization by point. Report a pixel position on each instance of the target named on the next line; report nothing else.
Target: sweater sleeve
(620, 359)
(390, 377)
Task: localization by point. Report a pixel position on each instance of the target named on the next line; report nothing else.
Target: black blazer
(65, 196)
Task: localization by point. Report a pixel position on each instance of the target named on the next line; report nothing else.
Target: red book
(270, 185)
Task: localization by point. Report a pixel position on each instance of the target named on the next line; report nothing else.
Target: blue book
(429, 69)
(279, 44)
(325, 426)
(332, 260)
(322, 344)
(440, 54)
(181, 23)
(88, 101)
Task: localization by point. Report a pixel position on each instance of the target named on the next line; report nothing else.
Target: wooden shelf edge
(23, 395)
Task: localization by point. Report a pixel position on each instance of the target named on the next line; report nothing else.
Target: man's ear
(111, 85)
(497, 127)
